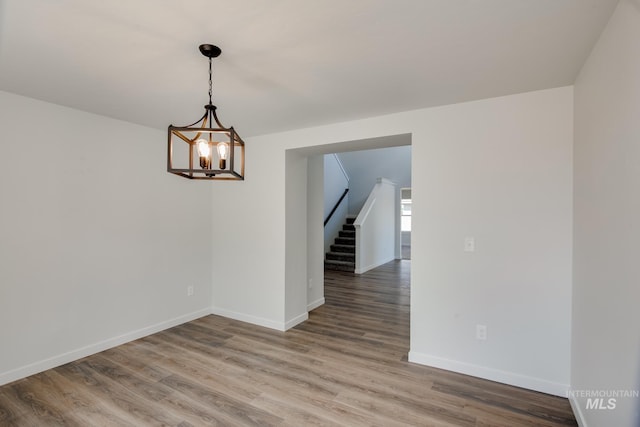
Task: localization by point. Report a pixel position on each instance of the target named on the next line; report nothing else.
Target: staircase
(343, 252)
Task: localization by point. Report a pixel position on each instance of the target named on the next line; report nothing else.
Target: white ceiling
(289, 64)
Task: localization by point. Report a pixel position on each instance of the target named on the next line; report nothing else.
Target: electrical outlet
(481, 332)
(469, 244)
(310, 283)
(189, 291)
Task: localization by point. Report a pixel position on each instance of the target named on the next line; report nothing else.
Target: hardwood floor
(345, 366)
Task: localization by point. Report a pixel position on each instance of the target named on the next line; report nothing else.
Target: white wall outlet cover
(481, 332)
(469, 244)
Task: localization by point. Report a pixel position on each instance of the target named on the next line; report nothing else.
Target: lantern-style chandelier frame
(200, 146)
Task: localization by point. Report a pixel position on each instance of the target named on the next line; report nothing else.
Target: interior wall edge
(315, 304)
(577, 411)
(248, 318)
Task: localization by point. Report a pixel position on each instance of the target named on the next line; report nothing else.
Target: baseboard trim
(577, 411)
(374, 265)
(52, 362)
(255, 320)
(511, 378)
(295, 321)
(315, 304)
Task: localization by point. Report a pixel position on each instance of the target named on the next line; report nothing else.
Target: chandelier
(206, 149)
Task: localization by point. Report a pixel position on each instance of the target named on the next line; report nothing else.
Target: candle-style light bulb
(204, 151)
(223, 154)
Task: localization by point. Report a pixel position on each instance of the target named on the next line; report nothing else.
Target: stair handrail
(346, 190)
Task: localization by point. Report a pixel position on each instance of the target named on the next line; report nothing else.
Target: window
(405, 209)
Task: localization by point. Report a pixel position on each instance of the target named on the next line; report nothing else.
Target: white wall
(376, 227)
(249, 229)
(315, 231)
(606, 290)
(296, 234)
(98, 243)
(496, 169)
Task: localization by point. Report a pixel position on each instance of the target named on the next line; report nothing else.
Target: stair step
(343, 252)
(350, 249)
(347, 233)
(341, 256)
(345, 241)
(340, 266)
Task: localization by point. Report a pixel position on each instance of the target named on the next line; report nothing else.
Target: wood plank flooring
(345, 366)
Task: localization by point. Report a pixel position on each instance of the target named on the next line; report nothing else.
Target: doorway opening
(305, 275)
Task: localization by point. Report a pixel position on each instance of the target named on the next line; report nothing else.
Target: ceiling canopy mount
(210, 50)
